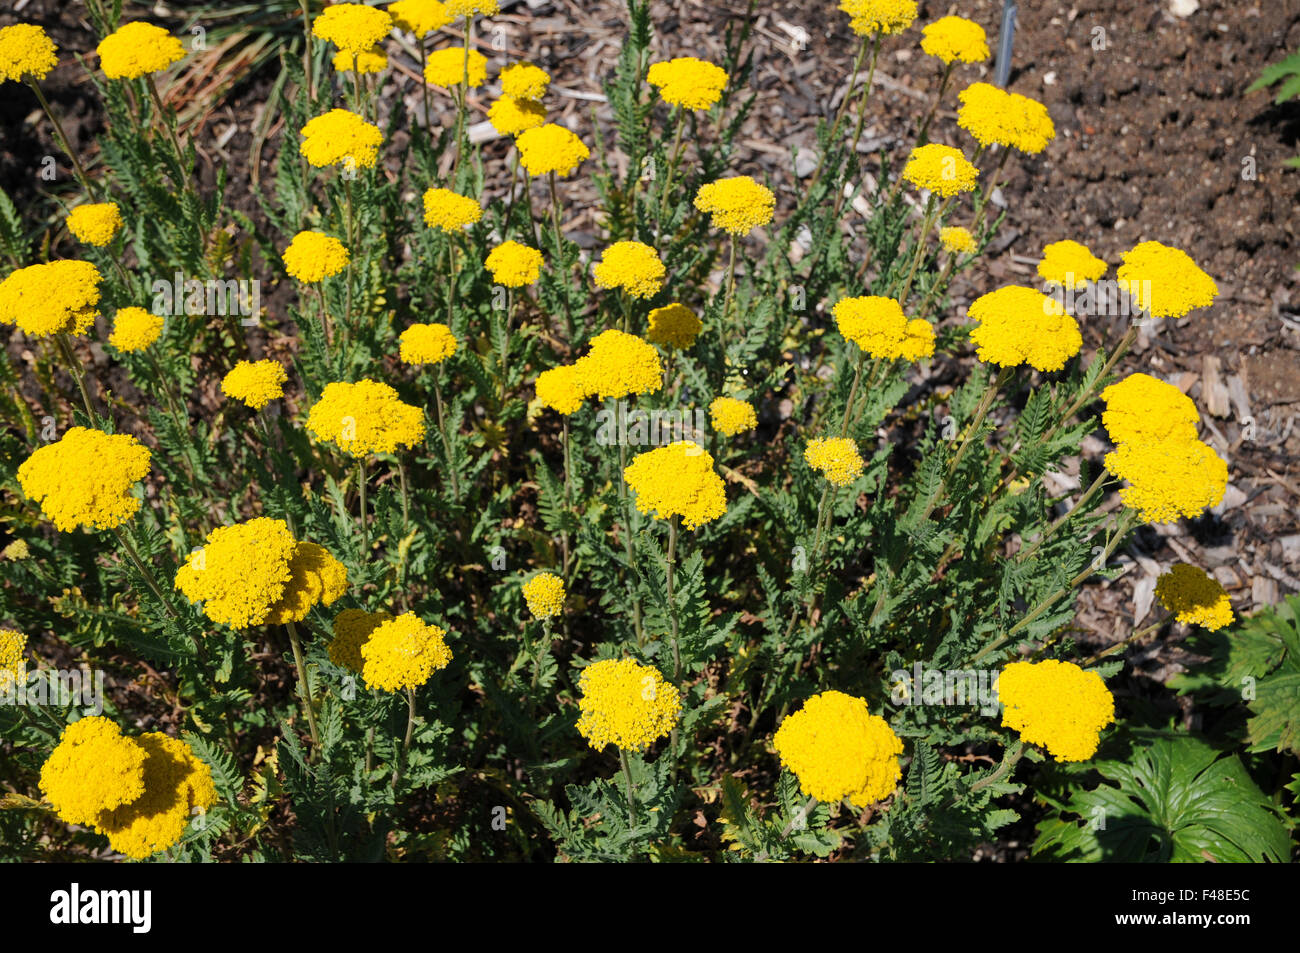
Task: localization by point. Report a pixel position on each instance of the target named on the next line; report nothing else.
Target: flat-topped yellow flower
(1145, 409)
(677, 480)
(364, 418)
(1195, 597)
(957, 240)
(447, 211)
(1169, 479)
(513, 264)
(626, 704)
(550, 148)
(737, 204)
(420, 16)
(429, 343)
(26, 53)
(1018, 325)
(561, 389)
(314, 256)
(255, 383)
(618, 365)
(955, 40)
(138, 49)
(878, 326)
(12, 664)
(940, 169)
(993, 115)
(352, 27)
(731, 416)
(54, 297)
(134, 329)
(403, 653)
(673, 325)
(93, 769)
(95, 223)
(836, 458)
(524, 81)
(315, 577)
(633, 266)
(1070, 264)
(340, 137)
(1165, 281)
(85, 478)
(838, 749)
(510, 116)
(867, 17)
(688, 82)
(544, 594)
(450, 67)
(352, 629)
(1056, 705)
(365, 62)
(466, 8)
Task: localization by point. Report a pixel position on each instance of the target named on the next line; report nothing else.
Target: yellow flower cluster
(467, 8)
(426, 344)
(449, 212)
(450, 67)
(92, 770)
(352, 628)
(514, 265)
(314, 256)
(940, 169)
(550, 148)
(544, 594)
(419, 16)
(1142, 408)
(633, 266)
(677, 480)
(627, 704)
(364, 418)
(137, 49)
(1056, 705)
(1018, 325)
(561, 388)
(524, 81)
(1195, 597)
(955, 39)
(255, 383)
(993, 115)
(879, 16)
(1165, 281)
(403, 653)
(364, 62)
(95, 223)
(838, 749)
(86, 478)
(314, 577)
(836, 458)
(688, 82)
(737, 204)
(12, 645)
(957, 240)
(340, 136)
(352, 27)
(134, 329)
(731, 416)
(673, 325)
(26, 52)
(54, 297)
(1169, 479)
(618, 365)
(510, 116)
(879, 327)
(1070, 264)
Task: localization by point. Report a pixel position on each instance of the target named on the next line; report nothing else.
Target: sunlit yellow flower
(838, 749)
(241, 573)
(878, 326)
(510, 116)
(255, 383)
(420, 16)
(26, 53)
(373, 60)
(51, 298)
(364, 418)
(627, 704)
(137, 49)
(544, 594)
(1018, 325)
(427, 344)
(1144, 409)
(85, 478)
(673, 325)
(449, 212)
(957, 240)
(618, 365)
(677, 480)
(1169, 479)
(340, 137)
(955, 39)
(352, 27)
(403, 653)
(836, 458)
(688, 82)
(465, 8)
(448, 67)
(352, 628)
(1070, 264)
(95, 223)
(737, 204)
(731, 416)
(940, 169)
(550, 148)
(514, 265)
(134, 329)
(315, 576)
(314, 256)
(867, 17)
(993, 115)
(524, 81)
(1195, 597)
(1165, 281)
(1056, 705)
(633, 266)
(92, 770)
(12, 664)
(561, 389)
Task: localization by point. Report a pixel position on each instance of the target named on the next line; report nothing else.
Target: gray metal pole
(1005, 39)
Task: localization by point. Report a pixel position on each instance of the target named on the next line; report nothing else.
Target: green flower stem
(1010, 758)
(63, 139)
(361, 486)
(559, 255)
(853, 392)
(1061, 520)
(167, 126)
(670, 574)
(400, 768)
(731, 283)
(1120, 646)
(542, 649)
(627, 534)
(463, 100)
(981, 411)
(568, 503)
(149, 578)
(631, 794)
(346, 320)
(982, 204)
(922, 134)
(442, 431)
(841, 112)
(78, 374)
(505, 347)
(674, 157)
(922, 240)
(304, 686)
(862, 118)
(923, 310)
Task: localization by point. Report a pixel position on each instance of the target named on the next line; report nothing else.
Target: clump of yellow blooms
(315, 576)
(134, 329)
(92, 770)
(1169, 479)
(510, 116)
(879, 327)
(51, 298)
(1070, 265)
(1195, 597)
(137, 49)
(956, 239)
(352, 27)
(544, 594)
(95, 223)
(627, 704)
(514, 265)
(420, 16)
(524, 81)
(426, 344)
(836, 458)
(1056, 705)
(447, 211)
(732, 416)
(618, 365)
(838, 749)
(677, 480)
(688, 82)
(955, 39)
(12, 645)
(364, 418)
(403, 653)
(1019, 325)
(1166, 281)
(314, 256)
(86, 478)
(736, 204)
(1143, 409)
(26, 52)
(255, 383)
(449, 67)
(561, 388)
(633, 266)
(373, 60)
(879, 16)
(341, 136)
(550, 148)
(940, 169)
(993, 115)
(673, 325)
(352, 627)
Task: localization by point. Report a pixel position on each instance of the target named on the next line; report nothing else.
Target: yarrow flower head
(447, 211)
(1056, 705)
(341, 137)
(352, 27)
(677, 480)
(315, 576)
(940, 169)
(618, 365)
(524, 81)
(1018, 325)
(364, 62)
(449, 67)
(633, 266)
(1165, 281)
(426, 344)
(879, 327)
(26, 52)
(867, 17)
(403, 653)
(957, 240)
(466, 8)
(95, 223)
(955, 39)
(626, 704)
(550, 148)
(993, 115)
(688, 82)
(836, 458)
(51, 298)
(93, 769)
(134, 329)
(314, 256)
(561, 388)
(544, 594)
(514, 265)
(510, 116)
(673, 325)
(255, 383)
(737, 204)
(352, 629)
(12, 665)
(1195, 597)
(731, 416)
(85, 478)
(138, 49)
(420, 16)
(1169, 479)
(1069, 264)
(364, 418)
(1144, 409)
(838, 749)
